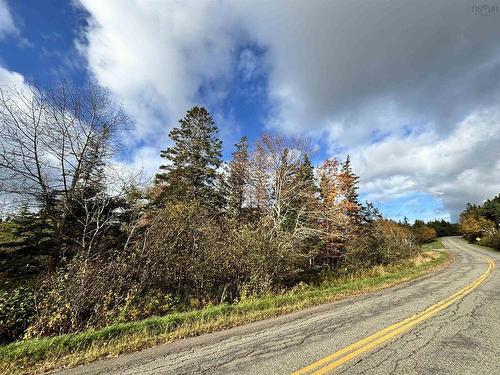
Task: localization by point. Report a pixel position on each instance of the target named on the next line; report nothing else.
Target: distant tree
(444, 228)
(424, 234)
(238, 179)
(405, 222)
(418, 224)
(193, 162)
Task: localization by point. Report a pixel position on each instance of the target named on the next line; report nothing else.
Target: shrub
(387, 242)
(185, 257)
(79, 296)
(17, 308)
(492, 241)
(424, 234)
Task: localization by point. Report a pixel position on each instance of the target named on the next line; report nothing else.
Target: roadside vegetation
(434, 245)
(481, 224)
(38, 355)
(87, 252)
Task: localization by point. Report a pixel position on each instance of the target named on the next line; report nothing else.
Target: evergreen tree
(370, 213)
(306, 174)
(32, 232)
(491, 209)
(305, 189)
(349, 188)
(418, 224)
(405, 222)
(238, 177)
(304, 179)
(349, 182)
(192, 169)
(444, 228)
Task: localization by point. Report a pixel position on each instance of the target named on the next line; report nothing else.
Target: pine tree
(349, 182)
(238, 178)
(192, 169)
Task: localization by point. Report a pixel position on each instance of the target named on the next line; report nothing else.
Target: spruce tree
(191, 173)
(370, 213)
(238, 177)
(304, 194)
(349, 182)
(32, 232)
(306, 174)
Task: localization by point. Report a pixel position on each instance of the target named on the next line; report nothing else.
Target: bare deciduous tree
(54, 143)
(276, 164)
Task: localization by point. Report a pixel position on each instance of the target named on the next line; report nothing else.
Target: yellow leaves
(475, 226)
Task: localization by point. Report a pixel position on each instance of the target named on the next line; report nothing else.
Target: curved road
(460, 336)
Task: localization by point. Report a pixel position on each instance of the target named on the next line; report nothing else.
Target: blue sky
(44, 49)
(410, 92)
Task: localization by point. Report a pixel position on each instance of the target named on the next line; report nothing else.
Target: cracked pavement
(462, 339)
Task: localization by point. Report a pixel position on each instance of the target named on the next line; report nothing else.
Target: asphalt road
(463, 338)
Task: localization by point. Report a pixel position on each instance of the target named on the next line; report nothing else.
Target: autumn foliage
(482, 223)
(208, 232)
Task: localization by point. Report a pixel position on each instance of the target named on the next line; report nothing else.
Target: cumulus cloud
(359, 66)
(155, 56)
(465, 166)
(401, 85)
(334, 65)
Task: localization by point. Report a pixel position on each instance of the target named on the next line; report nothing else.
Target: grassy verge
(39, 355)
(434, 245)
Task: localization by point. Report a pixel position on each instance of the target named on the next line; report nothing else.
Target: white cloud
(156, 55)
(14, 80)
(11, 79)
(459, 168)
(7, 25)
(145, 161)
(348, 71)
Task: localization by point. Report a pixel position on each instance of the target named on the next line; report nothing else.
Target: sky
(409, 89)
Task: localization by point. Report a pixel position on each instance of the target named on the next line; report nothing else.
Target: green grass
(39, 355)
(434, 245)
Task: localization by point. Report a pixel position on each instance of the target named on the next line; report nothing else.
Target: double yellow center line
(331, 362)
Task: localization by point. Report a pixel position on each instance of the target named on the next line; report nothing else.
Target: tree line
(103, 249)
(481, 223)
(426, 232)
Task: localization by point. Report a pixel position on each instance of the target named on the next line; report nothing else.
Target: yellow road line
(331, 362)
